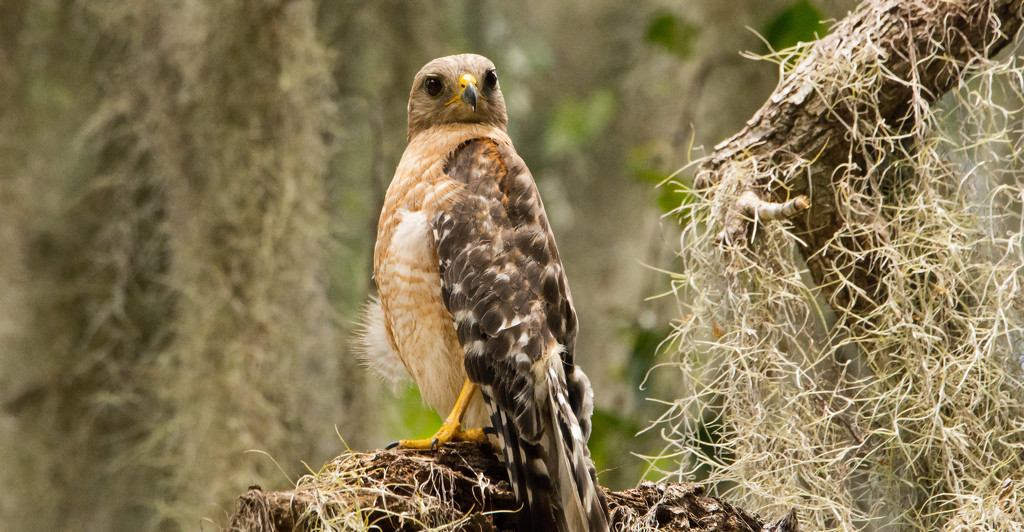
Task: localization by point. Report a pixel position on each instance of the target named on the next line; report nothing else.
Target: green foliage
(416, 421)
(613, 437)
(801, 22)
(672, 34)
(646, 341)
(673, 197)
(577, 122)
(619, 441)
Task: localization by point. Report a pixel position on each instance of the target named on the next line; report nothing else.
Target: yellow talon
(451, 429)
(447, 433)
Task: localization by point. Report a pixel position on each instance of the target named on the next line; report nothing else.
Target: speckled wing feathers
(504, 285)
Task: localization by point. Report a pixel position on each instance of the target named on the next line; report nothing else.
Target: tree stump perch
(463, 486)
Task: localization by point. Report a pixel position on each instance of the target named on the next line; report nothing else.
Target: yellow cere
(464, 81)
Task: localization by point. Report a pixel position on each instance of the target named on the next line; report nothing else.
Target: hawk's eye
(433, 86)
(490, 80)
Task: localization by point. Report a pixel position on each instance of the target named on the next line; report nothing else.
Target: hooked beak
(469, 95)
(467, 91)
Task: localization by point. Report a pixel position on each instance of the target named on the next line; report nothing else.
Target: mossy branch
(900, 407)
(877, 69)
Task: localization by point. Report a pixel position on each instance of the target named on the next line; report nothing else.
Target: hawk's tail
(581, 498)
(553, 477)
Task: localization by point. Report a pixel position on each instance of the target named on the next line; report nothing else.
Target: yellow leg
(451, 429)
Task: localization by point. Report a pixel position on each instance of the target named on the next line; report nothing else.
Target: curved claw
(392, 445)
(434, 444)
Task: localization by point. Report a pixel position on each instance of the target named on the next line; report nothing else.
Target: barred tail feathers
(553, 477)
(583, 503)
(532, 487)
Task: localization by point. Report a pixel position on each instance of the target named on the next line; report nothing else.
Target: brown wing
(504, 285)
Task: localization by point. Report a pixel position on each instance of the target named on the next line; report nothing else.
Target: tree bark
(908, 52)
(464, 483)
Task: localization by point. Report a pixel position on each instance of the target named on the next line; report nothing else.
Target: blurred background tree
(188, 201)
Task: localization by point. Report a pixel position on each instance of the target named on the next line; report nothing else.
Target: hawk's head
(458, 88)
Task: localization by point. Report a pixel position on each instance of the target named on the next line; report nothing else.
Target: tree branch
(876, 70)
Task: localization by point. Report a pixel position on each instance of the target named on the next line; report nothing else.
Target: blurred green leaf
(671, 196)
(576, 122)
(417, 420)
(645, 347)
(612, 438)
(670, 193)
(673, 34)
(802, 22)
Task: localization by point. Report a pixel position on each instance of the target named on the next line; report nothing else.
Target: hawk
(473, 300)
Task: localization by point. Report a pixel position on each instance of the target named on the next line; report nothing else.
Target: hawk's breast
(406, 271)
